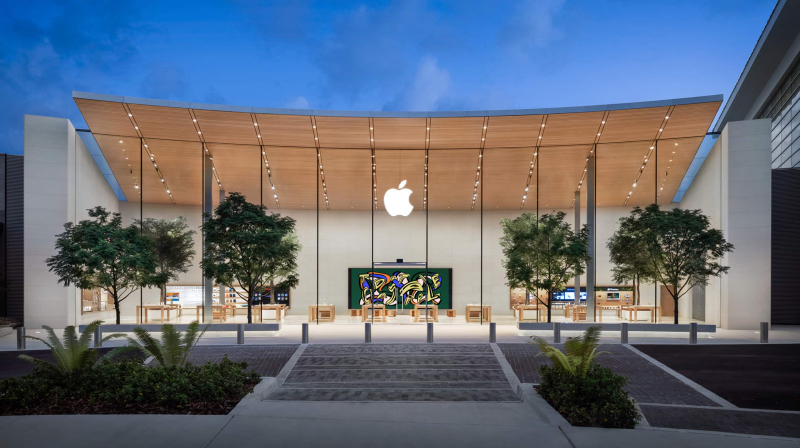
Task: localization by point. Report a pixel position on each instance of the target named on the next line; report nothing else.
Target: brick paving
(403, 372)
(647, 383)
(780, 424)
(266, 360)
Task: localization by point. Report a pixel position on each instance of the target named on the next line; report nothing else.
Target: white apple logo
(396, 201)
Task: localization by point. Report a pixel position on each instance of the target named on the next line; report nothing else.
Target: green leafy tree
(682, 250)
(102, 253)
(247, 246)
(173, 248)
(173, 349)
(74, 354)
(629, 256)
(543, 254)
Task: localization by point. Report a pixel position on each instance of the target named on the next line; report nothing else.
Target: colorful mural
(399, 288)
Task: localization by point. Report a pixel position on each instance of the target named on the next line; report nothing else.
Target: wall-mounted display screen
(568, 295)
(400, 287)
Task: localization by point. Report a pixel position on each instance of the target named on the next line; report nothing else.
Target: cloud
(530, 27)
(297, 103)
(44, 57)
(430, 85)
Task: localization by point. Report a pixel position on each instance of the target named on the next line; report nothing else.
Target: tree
(681, 248)
(102, 253)
(173, 248)
(543, 254)
(247, 246)
(628, 254)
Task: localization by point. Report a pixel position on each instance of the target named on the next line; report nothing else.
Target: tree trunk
(549, 304)
(272, 299)
(638, 280)
(249, 311)
(675, 299)
(163, 289)
(116, 305)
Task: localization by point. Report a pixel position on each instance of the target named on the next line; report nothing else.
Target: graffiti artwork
(401, 289)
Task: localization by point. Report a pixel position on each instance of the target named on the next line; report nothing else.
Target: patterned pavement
(406, 372)
(267, 360)
(647, 383)
(777, 424)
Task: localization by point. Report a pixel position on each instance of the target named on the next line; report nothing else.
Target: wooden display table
(280, 310)
(538, 308)
(633, 312)
(474, 312)
(451, 313)
(161, 307)
(217, 312)
(432, 312)
(355, 312)
(378, 312)
(600, 308)
(578, 313)
(391, 313)
(327, 313)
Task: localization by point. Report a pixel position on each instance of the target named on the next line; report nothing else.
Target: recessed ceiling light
(120, 141)
(130, 115)
(199, 132)
(667, 117)
(194, 119)
(259, 135)
(660, 130)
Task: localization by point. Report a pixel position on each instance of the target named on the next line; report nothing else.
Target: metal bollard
(240, 334)
(764, 332)
(430, 332)
(98, 336)
(492, 332)
(623, 333)
(693, 333)
(21, 338)
(304, 337)
(556, 332)
(367, 332)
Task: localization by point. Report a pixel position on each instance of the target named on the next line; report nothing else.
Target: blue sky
(381, 55)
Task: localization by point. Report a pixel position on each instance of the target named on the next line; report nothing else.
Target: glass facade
(784, 110)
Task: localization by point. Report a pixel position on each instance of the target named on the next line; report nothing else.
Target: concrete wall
(57, 166)
(733, 187)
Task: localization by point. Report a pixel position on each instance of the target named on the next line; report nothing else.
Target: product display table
(163, 308)
(327, 313)
(578, 313)
(217, 312)
(378, 312)
(538, 308)
(474, 312)
(633, 312)
(280, 310)
(433, 313)
(601, 308)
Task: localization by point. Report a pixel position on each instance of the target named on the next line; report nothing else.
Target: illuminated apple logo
(396, 201)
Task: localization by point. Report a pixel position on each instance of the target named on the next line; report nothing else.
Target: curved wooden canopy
(282, 157)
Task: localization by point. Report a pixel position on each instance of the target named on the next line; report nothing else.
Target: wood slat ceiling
(286, 130)
(515, 131)
(227, 127)
(559, 172)
(633, 124)
(295, 174)
(104, 117)
(348, 178)
(123, 159)
(343, 132)
(238, 168)
(690, 120)
(394, 166)
(673, 161)
(621, 163)
(400, 133)
(461, 132)
(181, 164)
(451, 178)
(505, 174)
(166, 123)
(571, 129)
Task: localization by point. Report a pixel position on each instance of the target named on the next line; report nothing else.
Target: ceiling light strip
(213, 167)
(427, 153)
(534, 161)
(265, 161)
(153, 161)
(197, 126)
(484, 131)
(650, 154)
(320, 167)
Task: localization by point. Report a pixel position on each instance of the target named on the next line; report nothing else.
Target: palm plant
(579, 352)
(173, 349)
(74, 354)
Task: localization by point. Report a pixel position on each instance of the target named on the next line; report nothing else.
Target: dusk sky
(383, 55)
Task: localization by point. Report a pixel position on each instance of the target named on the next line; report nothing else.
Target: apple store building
(398, 216)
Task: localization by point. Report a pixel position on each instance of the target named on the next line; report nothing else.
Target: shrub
(128, 387)
(596, 398)
(173, 349)
(74, 354)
